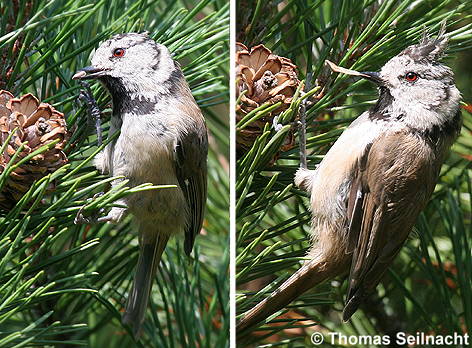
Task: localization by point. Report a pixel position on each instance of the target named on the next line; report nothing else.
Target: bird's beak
(372, 76)
(368, 75)
(88, 73)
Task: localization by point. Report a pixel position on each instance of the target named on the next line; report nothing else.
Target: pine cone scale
(273, 65)
(43, 111)
(25, 105)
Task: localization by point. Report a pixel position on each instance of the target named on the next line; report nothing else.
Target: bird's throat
(380, 111)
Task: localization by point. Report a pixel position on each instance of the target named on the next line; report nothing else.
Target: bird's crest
(430, 49)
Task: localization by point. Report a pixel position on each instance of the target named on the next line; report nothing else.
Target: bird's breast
(332, 179)
(144, 150)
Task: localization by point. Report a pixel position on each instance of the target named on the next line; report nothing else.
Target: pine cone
(266, 78)
(38, 124)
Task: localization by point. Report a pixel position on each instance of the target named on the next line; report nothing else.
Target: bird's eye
(119, 52)
(411, 76)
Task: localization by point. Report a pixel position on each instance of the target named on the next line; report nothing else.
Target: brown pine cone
(266, 78)
(38, 124)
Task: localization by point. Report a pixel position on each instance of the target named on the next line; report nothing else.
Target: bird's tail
(150, 252)
(312, 273)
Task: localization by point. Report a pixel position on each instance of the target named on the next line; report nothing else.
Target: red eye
(119, 52)
(411, 76)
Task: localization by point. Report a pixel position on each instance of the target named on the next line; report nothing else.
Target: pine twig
(302, 125)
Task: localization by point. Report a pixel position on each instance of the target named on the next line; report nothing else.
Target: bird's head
(131, 61)
(415, 83)
(416, 75)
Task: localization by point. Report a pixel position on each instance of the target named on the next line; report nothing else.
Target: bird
(163, 140)
(370, 187)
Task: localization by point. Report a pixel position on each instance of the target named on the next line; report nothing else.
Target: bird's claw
(81, 219)
(86, 96)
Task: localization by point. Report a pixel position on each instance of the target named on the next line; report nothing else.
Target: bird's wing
(191, 158)
(392, 183)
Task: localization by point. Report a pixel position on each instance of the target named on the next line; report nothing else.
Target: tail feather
(150, 253)
(310, 274)
(353, 304)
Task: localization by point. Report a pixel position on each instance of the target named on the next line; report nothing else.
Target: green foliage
(273, 215)
(64, 284)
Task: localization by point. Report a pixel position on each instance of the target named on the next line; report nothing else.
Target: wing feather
(392, 183)
(191, 156)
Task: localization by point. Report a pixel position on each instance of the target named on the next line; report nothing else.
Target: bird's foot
(86, 96)
(80, 218)
(114, 216)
